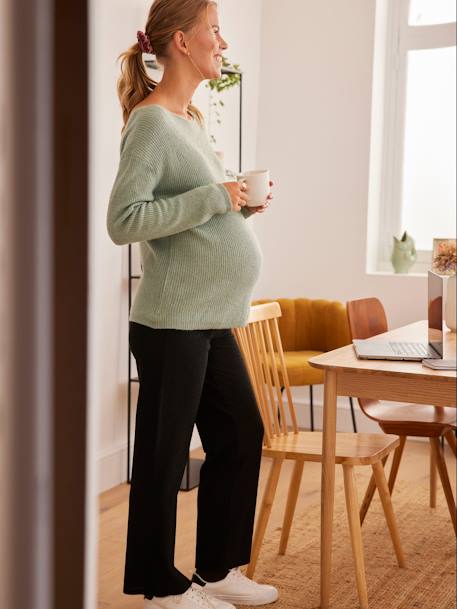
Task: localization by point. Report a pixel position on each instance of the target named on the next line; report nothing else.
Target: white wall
(314, 134)
(114, 27)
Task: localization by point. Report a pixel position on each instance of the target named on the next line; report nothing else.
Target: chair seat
(299, 370)
(351, 448)
(411, 419)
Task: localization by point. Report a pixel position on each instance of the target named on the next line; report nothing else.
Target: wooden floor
(114, 511)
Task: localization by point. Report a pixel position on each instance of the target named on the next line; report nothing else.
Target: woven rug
(428, 581)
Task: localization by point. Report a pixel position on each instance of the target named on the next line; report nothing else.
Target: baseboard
(112, 468)
(344, 418)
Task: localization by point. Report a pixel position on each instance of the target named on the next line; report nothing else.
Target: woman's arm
(135, 214)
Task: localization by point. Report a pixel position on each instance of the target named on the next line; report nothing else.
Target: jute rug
(428, 581)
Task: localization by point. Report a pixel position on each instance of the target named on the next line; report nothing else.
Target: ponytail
(134, 84)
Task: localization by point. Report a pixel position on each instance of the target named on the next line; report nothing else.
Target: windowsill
(393, 274)
(384, 268)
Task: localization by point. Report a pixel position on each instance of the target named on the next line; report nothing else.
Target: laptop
(414, 352)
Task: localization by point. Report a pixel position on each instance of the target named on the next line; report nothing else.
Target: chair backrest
(311, 324)
(366, 317)
(261, 347)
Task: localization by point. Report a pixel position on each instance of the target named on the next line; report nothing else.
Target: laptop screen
(435, 312)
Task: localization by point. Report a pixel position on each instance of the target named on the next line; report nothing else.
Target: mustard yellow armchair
(308, 328)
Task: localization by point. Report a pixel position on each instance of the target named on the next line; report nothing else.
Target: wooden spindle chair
(259, 341)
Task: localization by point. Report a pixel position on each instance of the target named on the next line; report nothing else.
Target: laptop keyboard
(410, 349)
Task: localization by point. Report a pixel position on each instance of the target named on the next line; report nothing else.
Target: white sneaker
(238, 589)
(216, 602)
(193, 598)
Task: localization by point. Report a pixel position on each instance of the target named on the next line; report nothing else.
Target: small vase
(404, 254)
(450, 307)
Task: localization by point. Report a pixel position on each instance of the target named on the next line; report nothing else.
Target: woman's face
(206, 44)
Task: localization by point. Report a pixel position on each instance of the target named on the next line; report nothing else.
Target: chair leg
(433, 476)
(264, 514)
(396, 463)
(354, 422)
(369, 493)
(450, 437)
(356, 533)
(386, 501)
(311, 407)
(392, 478)
(294, 489)
(441, 466)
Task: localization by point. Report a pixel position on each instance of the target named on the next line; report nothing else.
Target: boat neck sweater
(200, 260)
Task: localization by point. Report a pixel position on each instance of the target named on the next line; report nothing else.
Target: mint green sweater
(200, 259)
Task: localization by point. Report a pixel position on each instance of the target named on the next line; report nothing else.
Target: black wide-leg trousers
(190, 377)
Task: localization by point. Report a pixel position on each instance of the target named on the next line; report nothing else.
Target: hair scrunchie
(144, 42)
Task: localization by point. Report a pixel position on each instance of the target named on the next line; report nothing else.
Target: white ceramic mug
(258, 182)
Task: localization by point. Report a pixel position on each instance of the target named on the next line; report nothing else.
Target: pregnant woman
(200, 262)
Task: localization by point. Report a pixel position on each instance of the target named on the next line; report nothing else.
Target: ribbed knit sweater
(200, 259)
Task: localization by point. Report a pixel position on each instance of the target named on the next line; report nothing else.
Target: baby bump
(224, 250)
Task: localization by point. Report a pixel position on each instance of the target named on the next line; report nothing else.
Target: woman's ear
(180, 42)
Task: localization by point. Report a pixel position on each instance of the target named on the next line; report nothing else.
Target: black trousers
(190, 377)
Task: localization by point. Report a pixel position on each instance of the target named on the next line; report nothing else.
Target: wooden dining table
(396, 381)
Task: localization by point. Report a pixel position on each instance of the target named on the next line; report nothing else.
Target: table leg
(328, 484)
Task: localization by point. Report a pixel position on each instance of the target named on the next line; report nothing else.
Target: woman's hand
(238, 194)
(262, 208)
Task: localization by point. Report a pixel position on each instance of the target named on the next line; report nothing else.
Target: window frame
(394, 38)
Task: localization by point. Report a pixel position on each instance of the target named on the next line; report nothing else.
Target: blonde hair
(165, 18)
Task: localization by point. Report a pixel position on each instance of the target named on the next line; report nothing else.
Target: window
(413, 148)
(431, 12)
(429, 191)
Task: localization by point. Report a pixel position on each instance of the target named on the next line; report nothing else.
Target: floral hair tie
(144, 42)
